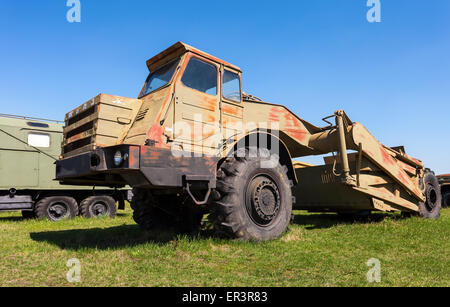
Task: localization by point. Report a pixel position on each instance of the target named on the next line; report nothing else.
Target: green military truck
(29, 148)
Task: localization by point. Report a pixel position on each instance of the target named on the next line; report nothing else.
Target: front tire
(431, 208)
(142, 204)
(253, 203)
(56, 208)
(165, 213)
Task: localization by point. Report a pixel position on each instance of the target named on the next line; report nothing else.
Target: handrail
(30, 118)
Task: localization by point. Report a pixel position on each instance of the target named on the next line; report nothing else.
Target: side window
(201, 76)
(39, 140)
(37, 125)
(231, 87)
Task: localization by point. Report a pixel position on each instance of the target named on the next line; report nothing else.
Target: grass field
(319, 250)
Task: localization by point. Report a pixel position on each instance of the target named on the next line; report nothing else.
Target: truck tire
(252, 203)
(185, 217)
(149, 216)
(446, 199)
(431, 208)
(98, 206)
(56, 208)
(142, 204)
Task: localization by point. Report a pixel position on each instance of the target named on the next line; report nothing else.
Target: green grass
(319, 250)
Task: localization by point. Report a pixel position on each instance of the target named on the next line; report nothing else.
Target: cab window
(159, 78)
(231, 86)
(39, 140)
(200, 76)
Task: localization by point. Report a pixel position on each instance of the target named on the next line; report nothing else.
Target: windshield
(159, 78)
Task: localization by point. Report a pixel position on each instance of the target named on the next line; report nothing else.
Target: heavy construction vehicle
(444, 181)
(194, 143)
(29, 148)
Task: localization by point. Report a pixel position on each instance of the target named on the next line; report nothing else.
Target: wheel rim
(263, 201)
(431, 202)
(58, 211)
(98, 209)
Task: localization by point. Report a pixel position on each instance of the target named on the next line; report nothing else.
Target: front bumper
(97, 167)
(145, 167)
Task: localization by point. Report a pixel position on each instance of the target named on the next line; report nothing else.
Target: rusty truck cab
(190, 102)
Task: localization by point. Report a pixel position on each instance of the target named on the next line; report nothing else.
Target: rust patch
(409, 169)
(208, 103)
(295, 127)
(134, 157)
(386, 157)
(275, 114)
(210, 118)
(232, 110)
(148, 154)
(155, 133)
(299, 135)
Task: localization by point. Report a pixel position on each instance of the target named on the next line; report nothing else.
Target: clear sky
(314, 56)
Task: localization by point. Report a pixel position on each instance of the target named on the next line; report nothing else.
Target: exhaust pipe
(12, 192)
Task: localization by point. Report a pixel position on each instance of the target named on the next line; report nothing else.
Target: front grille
(141, 114)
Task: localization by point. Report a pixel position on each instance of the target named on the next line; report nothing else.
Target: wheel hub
(264, 200)
(57, 211)
(99, 209)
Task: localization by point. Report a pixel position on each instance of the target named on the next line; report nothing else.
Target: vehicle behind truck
(444, 181)
(194, 143)
(28, 152)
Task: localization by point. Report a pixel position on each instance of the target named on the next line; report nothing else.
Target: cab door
(232, 109)
(19, 163)
(197, 112)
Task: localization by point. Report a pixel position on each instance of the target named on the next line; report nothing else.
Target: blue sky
(314, 56)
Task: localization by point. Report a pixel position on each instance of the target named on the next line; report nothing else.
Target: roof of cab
(27, 122)
(180, 48)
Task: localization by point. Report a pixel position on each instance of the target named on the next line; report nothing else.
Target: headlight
(118, 158)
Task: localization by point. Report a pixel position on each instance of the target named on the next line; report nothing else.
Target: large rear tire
(431, 208)
(253, 202)
(56, 208)
(98, 206)
(150, 214)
